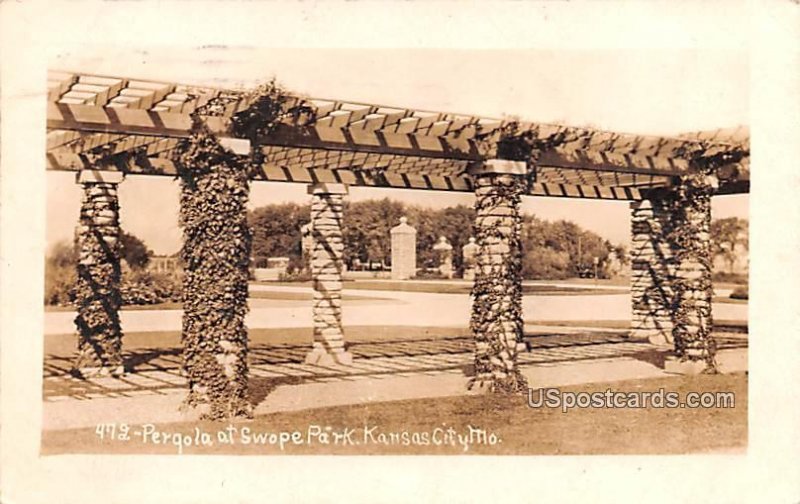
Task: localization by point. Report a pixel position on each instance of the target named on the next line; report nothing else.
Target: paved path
(280, 383)
(408, 309)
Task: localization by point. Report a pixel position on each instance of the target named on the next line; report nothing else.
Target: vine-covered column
(216, 255)
(496, 320)
(653, 267)
(671, 287)
(693, 290)
(97, 290)
(326, 274)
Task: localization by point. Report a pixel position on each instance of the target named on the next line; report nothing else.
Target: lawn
(438, 287)
(515, 428)
(724, 299)
(719, 324)
(64, 344)
(258, 299)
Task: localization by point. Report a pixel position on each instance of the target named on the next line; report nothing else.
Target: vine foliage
(496, 320)
(687, 209)
(216, 252)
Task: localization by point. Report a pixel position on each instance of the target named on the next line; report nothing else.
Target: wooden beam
(273, 173)
(94, 119)
(89, 118)
(371, 141)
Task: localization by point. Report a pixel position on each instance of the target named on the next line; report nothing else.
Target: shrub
(297, 275)
(423, 274)
(742, 292)
(140, 287)
(58, 285)
(545, 263)
(60, 274)
(727, 277)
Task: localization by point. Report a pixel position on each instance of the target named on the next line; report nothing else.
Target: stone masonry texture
(653, 267)
(326, 272)
(497, 293)
(98, 287)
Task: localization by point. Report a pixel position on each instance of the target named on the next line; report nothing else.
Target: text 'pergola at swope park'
(219, 141)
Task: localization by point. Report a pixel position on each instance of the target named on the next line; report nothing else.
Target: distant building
(164, 264)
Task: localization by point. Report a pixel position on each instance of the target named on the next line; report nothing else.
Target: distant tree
(63, 255)
(728, 234)
(60, 273)
(134, 250)
(563, 248)
(545, 263)
(366, 229)
(454, 223)
(550, 249)
(276, 232)
(621, 252)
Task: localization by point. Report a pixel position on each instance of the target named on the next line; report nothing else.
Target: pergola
(104, 127)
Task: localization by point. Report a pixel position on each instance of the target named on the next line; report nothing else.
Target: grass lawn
(519, 429)
(434, 287)
(725, 299)
(260, 299)
(64, 344)
(624, 324)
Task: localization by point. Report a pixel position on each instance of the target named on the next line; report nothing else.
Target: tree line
(552, 250)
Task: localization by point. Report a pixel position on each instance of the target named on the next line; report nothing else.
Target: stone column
(326, 274)
(496, 320)
(404, 251)
(97, 290)
(468, 255)
(671, 286)
(653, 267)
(691, 234)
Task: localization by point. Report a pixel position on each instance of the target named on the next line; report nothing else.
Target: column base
(674, 365)
(92, 372)
(653, 336)
(321, 357)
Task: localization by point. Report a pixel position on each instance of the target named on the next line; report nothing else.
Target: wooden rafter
(410, 147)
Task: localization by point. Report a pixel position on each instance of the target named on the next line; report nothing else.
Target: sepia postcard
(239, 236)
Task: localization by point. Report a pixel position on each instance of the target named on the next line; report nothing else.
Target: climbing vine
(216, 251)
(689, 211)
(496, 320)
(687, 208)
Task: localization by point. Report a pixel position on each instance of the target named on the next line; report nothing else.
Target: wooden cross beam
(269, 172)
(363, 140)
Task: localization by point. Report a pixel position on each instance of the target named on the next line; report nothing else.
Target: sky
(649, 91)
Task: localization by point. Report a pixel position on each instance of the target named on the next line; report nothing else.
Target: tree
(276, 232)
(366, 229)
(551, 250)
(60, 273)
(561, 249)
(134, 250)
(454, 223)
(726, 235)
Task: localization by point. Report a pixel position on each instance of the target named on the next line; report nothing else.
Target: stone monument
(444, 251)
(469, 254)
(404, 251)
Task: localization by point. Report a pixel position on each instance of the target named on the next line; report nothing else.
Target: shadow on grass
(653, 356)
(260, 387)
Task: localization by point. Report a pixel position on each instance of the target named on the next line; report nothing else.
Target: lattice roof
(140, 122)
